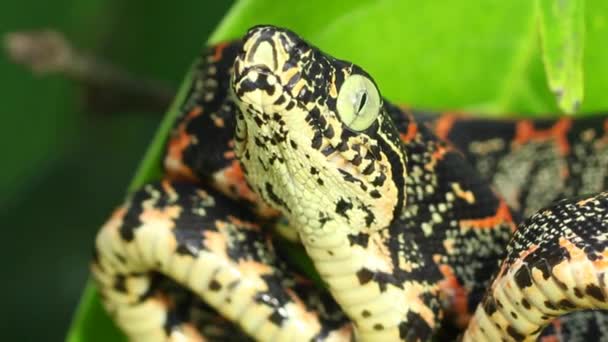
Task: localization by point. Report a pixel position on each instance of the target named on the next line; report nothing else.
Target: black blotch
(258, 121)
(561, 284)
(365, 314)
(379, 180)
(375, 194)
(550, 305)
(258, 142)
(120, 258)
(184, 250)
(517, 336)
(365, 276)
(274, 197)
(526, 304)
(329, 132)
(342, 206)
(545, 269)
(329, 149)
(566, 304)
(120, 283)
(317, 139)
(414, 328)
(595, 292)
(350, 178)
(323, 218)
(368, 169)
(522, 278)
(361, 239)
(126, 233)
(490, 305)
(378, 326)
(214, 285)
(280, 100)
(277, 318)
(357, 160)
(369, 216)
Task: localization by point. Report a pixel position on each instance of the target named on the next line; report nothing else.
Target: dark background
(62, 168)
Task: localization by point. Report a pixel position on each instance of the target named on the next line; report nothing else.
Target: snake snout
(260, 48)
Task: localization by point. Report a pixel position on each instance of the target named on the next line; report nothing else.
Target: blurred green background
(63, 169)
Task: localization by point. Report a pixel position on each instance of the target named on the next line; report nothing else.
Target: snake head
(313, 135)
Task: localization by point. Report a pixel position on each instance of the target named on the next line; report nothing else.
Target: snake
(420, 226)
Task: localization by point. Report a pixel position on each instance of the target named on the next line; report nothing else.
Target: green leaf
(561, 26)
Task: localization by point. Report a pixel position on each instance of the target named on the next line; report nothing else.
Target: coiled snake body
(398, 211)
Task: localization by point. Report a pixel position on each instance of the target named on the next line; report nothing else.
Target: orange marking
(456, 294)
(557, 325)
(436, 156)
(196, 111)
(502, 215)
(550, 338)
(231, 181)
(115, 221)
(174, 160)
(165, 215)
(229, 154)
(234, 176)
(412, 129)
(465, 195)
(217, 121)
(216, 242)
(525, 132)
(584, 202)
(242, 224)
(299, 309)
(509, 270)
(163, 300)
(576, 254)
(254, 269)
(444, 125)
(119, 213)
(219, 49)
(601, 264)
(579, 255)
(524, 254)
(191, 333)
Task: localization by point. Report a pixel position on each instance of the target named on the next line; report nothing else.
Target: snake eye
(358, 102)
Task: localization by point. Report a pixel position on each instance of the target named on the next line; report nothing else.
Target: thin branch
(108, 88)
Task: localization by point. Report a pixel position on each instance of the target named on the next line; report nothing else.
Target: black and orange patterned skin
(529, 163)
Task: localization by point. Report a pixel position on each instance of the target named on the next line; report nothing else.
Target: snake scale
(398, 210)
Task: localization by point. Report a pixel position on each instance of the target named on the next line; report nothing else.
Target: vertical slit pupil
(362, 101)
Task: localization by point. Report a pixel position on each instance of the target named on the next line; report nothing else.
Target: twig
(108, 88)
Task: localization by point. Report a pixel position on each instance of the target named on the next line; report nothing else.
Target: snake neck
(452, 211)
